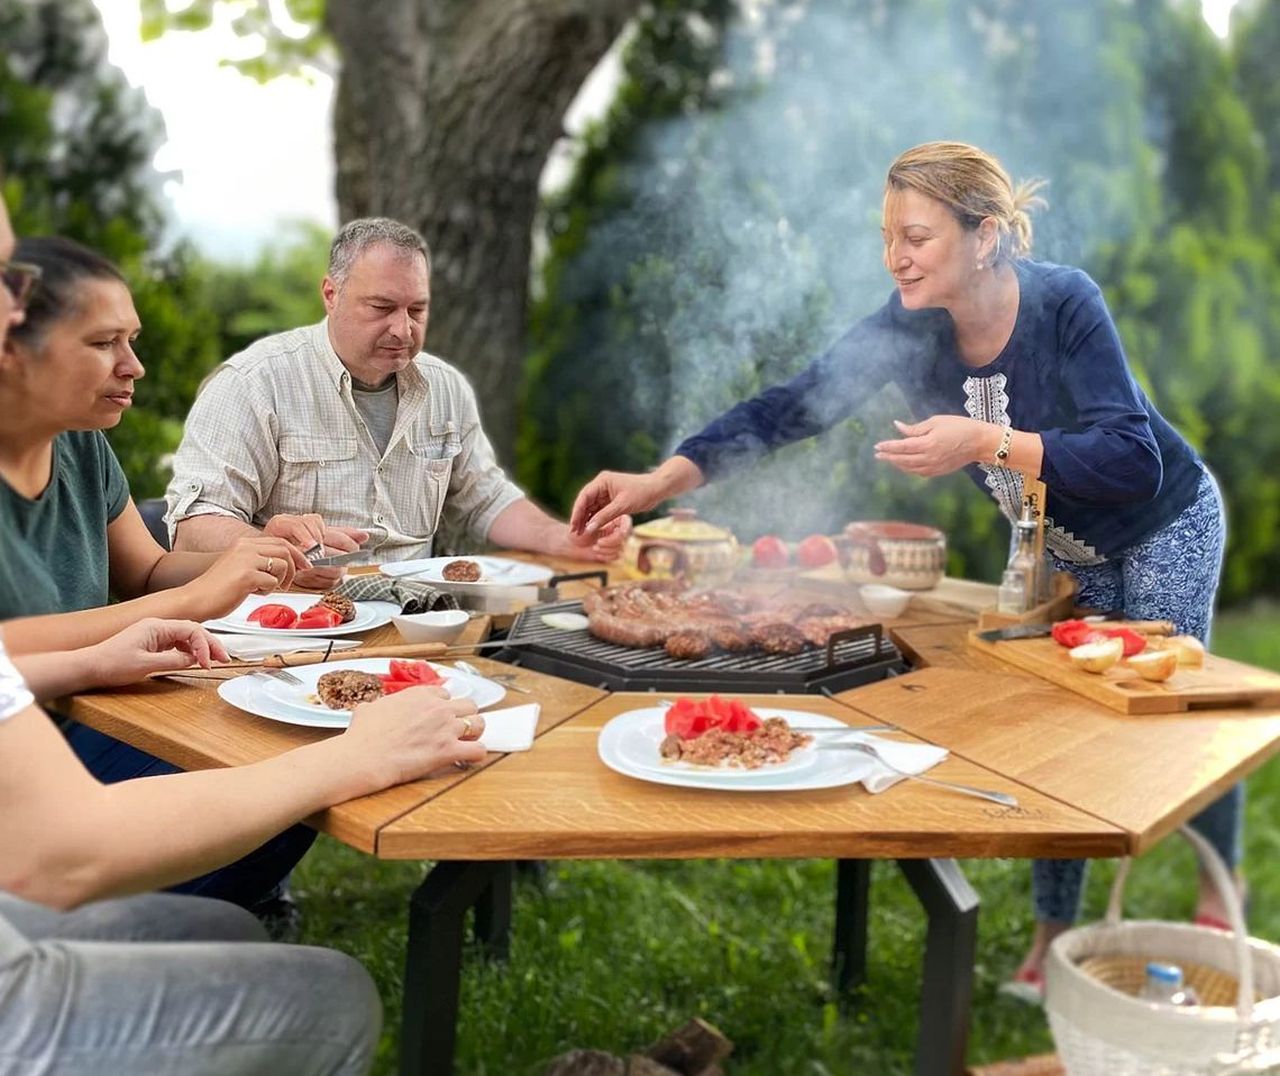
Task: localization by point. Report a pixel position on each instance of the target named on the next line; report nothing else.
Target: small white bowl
(442, 626)
(883, 600)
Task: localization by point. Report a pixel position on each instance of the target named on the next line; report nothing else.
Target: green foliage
(77, 144)
(279, 290)
(693, 261)
(284, 50)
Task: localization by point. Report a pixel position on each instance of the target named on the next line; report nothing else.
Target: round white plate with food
(369, 615)
(299, 704)
(493, 571)
(629, 744)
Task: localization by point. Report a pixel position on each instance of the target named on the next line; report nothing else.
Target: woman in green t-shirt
(70, 535)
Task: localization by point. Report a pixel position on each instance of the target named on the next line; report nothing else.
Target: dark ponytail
(65, 265)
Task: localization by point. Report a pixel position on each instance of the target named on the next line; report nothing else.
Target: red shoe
(1027, 985)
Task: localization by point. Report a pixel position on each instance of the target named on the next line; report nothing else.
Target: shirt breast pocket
(317, 474)
(433, 454)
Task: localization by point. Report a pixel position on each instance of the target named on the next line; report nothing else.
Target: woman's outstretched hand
(612, 494)
(939, 445)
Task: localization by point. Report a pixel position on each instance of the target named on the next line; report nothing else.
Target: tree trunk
(444, 114)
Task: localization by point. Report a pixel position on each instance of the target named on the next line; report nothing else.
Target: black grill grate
(854, 658)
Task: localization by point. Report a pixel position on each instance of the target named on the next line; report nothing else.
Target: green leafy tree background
(721, 225)
(692, 261)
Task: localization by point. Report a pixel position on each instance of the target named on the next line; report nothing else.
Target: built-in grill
(851, 658)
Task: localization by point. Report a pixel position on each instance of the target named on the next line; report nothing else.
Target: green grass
(611, 955)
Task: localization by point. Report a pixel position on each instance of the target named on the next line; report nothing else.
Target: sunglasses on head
(19, 279)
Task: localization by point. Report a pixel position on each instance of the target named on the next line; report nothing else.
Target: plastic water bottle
(1164, 985)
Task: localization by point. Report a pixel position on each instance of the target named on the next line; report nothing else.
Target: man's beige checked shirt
(275, 429)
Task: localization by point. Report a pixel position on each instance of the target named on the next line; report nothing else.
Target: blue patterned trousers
(1173, 575)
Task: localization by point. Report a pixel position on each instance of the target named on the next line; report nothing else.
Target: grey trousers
(169, 984)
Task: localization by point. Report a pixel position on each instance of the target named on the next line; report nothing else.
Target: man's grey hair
(357, 236)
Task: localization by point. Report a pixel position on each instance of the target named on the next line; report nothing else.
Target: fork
(278, 674)
(503, 678)
(1002, 798)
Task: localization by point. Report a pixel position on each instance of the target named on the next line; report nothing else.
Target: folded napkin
(257, 647)
(510, 729)
(411, 595)
(914, 758)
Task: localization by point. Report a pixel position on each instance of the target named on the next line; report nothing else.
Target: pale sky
(250, 156)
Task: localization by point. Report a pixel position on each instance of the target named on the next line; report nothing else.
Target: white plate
(629, 745)
(369, 615)
(494, 571)
(280, 701)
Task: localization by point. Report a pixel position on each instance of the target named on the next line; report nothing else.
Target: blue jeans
(249, 880)
(166, 985)
(1173, 575)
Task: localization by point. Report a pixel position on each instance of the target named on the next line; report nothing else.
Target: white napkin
(510, 729)
(257, 647)
(914, 758)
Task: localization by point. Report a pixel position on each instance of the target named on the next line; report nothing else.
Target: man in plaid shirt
(347, 432)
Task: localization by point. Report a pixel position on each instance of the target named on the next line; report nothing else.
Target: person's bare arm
(258, 566)
(303, 531)
(210, 533)
(147, 647)
(67, 839)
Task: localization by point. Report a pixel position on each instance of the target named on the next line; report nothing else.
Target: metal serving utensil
(270, 673)
(505, 679)
(1002, 798)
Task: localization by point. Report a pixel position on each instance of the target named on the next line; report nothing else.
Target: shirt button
(377, 519)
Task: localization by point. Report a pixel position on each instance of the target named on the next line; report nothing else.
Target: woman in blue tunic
(1012, 367)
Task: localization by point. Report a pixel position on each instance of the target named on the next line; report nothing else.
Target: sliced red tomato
(274, 616)
(1072, 633)
(391, 686)
(741, 718)
(1133, 642)
(689, 719)
(319, 616)
(414, 672)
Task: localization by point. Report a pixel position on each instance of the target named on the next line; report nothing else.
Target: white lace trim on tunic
(987, 400)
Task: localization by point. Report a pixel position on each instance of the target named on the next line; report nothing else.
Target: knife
(1015, 631)
(1035, 631)
(337, 558)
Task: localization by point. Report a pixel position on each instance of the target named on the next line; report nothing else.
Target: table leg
(952, 909)
(493, 913)
(433, 963)
(849, 953)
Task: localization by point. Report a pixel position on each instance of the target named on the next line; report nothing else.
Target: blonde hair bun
(973, 185)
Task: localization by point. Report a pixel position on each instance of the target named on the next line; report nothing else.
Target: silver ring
(467, 726)
(271, 566)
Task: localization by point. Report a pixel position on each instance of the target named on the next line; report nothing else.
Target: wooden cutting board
(1220, 682)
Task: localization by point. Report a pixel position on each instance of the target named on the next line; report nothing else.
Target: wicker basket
(1101, 1027)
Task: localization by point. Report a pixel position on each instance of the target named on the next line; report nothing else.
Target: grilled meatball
(346, 688)
(688, 645)
(461, 571)
(344, 607)
(730, 637)
(778, 637)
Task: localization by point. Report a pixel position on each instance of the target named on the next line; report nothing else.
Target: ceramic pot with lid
(906, 555)
(681, 544)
